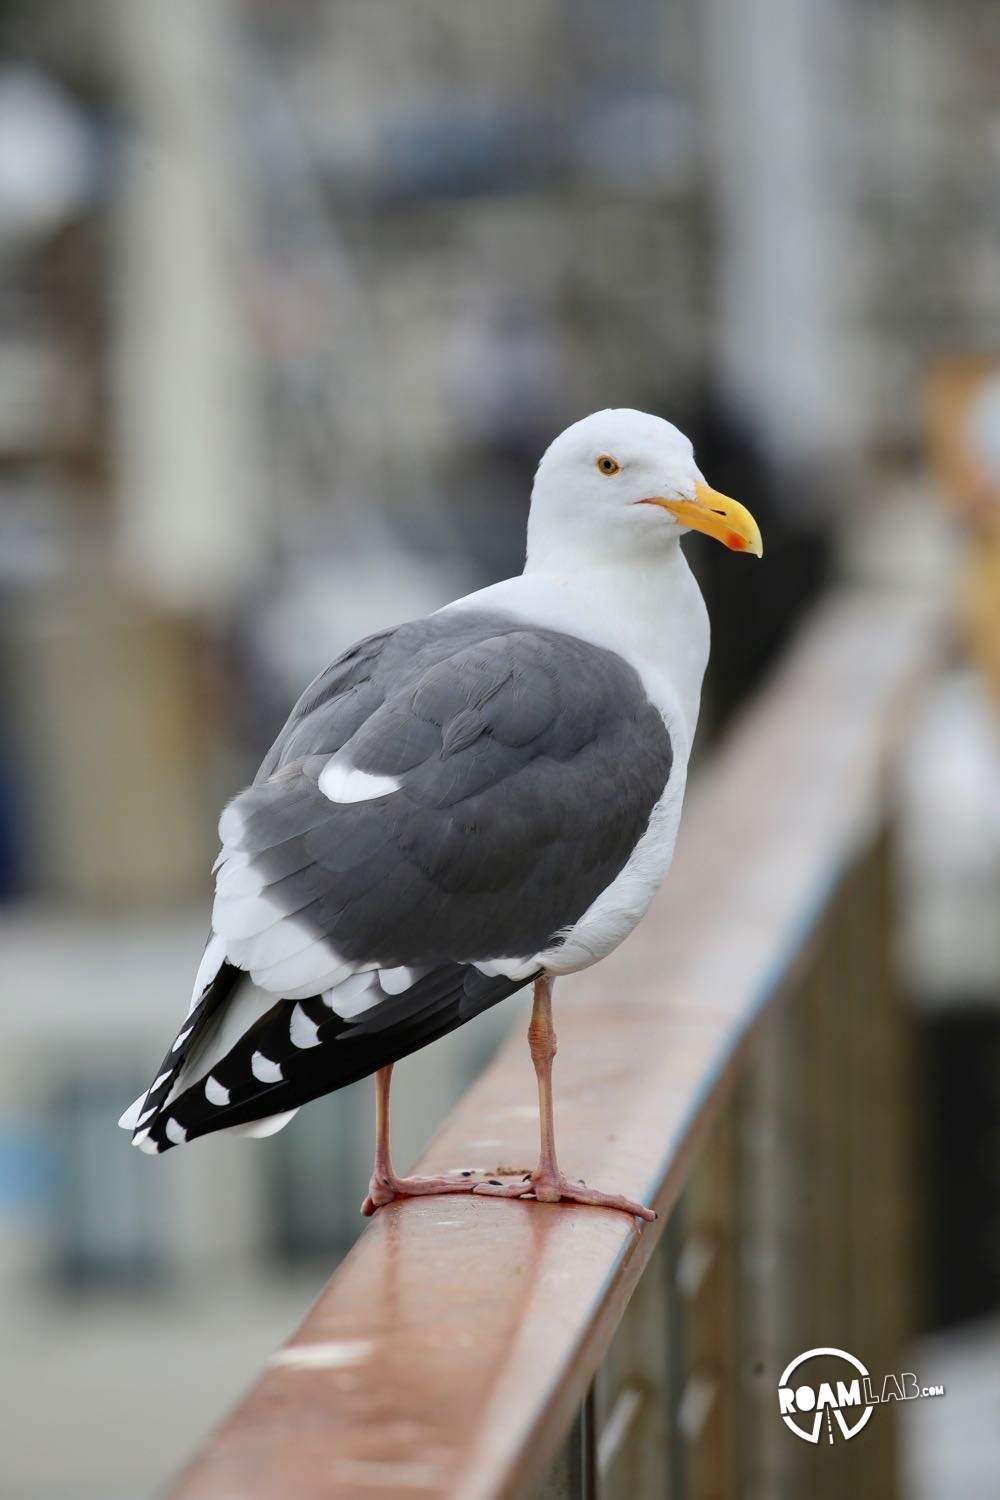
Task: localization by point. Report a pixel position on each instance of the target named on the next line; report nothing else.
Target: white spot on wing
(354, 984)
(395, 981)
(182, 1039)
(342, 782)
(263, 1068)
(303, 1032)
(353, 997)
(215, 1092)
(176, 1132)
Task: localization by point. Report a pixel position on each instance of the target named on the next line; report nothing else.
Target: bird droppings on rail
(331, 1356)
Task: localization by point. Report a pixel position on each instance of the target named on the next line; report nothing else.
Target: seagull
(459, 806)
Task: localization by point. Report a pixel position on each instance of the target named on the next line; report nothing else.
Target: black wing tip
(150, 1133)
(349, 1050)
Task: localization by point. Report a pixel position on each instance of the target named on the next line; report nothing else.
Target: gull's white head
(625, 484)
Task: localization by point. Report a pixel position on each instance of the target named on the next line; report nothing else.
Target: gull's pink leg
(547, 1182)
(384, 1184)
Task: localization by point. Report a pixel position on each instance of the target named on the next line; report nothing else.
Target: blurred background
(291, 300)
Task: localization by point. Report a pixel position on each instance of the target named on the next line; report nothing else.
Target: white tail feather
(270, 1125)
(130, 1118)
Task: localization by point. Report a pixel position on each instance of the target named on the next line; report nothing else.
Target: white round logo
(806, 1406)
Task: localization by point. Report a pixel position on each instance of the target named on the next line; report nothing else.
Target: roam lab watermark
(840, 1390)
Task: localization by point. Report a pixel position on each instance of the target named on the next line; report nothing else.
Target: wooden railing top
(447, 1355)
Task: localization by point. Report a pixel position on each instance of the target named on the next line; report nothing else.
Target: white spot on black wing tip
(398, 981)
(353, 996)
(175, 1131)
(303, 1032)
(264, 1069)
(145, 1142)
(215, 1092)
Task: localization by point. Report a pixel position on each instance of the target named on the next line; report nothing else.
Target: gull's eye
(608, 465)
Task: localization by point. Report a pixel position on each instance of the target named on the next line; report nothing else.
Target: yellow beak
(717, 516)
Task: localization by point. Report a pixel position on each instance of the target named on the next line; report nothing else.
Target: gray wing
(446, 796)
(520, 768)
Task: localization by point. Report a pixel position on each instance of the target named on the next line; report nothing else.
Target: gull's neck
(655, 604)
